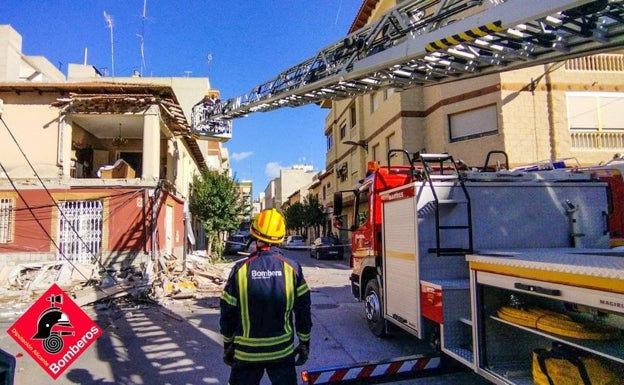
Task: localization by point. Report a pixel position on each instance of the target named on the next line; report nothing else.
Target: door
(80, 230)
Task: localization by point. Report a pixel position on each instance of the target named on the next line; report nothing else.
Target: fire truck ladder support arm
(426, 42)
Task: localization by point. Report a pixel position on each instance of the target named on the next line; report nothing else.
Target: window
(473, 123)
(6, 220)
(376, 153)
(343, 131)
(391, 142)
(595, 111)
(595, 120)
(330, 141)
(353, 115)
(388, 92)
(374, 97)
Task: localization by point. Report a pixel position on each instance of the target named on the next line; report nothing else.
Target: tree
(301, 216)
(295, 216)
(215, 202)
(314, 213)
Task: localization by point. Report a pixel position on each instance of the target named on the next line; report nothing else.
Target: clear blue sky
(250, 41)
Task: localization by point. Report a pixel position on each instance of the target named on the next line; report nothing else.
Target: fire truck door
(400, 263)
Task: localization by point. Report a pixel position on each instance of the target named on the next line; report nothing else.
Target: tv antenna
(209, 61)
(142, 37)
(109, 23)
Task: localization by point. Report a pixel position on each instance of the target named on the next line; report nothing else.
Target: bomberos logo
(55, 331)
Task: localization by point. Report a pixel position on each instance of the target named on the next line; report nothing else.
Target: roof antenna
(142, 37)
(109, 23)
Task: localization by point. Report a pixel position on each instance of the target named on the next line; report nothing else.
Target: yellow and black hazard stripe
(472, 34)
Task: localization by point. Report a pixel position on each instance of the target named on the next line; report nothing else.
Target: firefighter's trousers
(280, 372)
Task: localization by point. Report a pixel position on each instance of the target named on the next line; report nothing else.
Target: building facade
(562, 110)
(93, 171)
(290, 180)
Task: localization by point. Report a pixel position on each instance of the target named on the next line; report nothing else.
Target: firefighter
(262, 294)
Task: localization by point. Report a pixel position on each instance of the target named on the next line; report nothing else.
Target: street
(179, 342)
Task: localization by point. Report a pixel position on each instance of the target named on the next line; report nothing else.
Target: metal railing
(596, 63)
(597, 140)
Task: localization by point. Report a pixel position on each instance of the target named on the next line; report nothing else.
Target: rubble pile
(198, 277)
(30, 280)
(166, 278)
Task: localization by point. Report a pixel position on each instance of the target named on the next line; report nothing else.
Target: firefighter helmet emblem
(52, 325)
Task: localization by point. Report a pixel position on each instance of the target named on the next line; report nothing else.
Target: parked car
(293, 241)
(326, 248)
(236, 243)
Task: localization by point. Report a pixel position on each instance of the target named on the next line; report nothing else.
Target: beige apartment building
(547, 112)
(94, 169)
(290, 180)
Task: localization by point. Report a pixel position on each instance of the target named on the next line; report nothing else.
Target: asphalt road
(179, 342)
(340, 335)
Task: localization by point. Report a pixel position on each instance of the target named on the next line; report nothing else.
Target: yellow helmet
(269, 226)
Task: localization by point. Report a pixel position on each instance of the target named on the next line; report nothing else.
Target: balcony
(601, 63)
(597, 140)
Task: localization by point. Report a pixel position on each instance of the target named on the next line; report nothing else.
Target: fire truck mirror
(337, 222)
(337, 203)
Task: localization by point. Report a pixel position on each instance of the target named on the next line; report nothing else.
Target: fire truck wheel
(373, 307)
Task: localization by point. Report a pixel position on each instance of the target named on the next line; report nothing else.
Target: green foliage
(295, 216)
(314, 211)
(215, 202)
(310, 213)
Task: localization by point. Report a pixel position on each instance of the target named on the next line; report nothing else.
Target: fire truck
(443, 251)
(489, 265)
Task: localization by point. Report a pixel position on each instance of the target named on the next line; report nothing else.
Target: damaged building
(95, 172)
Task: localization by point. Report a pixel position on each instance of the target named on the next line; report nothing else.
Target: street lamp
(361, 143)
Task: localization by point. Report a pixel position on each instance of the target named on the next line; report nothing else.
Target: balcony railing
(603, 63)
(597, 140)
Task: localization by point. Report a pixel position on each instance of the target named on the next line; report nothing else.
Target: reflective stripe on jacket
(257, 306)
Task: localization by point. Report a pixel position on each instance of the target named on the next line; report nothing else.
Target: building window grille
(7, 220)
(80, 230)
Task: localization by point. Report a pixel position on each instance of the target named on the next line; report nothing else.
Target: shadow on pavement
(145, 343)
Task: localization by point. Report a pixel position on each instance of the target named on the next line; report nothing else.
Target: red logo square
(55, 331)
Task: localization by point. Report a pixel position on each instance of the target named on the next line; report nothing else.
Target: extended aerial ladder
(425, 42)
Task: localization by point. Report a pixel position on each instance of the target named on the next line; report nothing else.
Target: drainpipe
(59, 146)
(145, 225)
(188, 233)
(154, 222)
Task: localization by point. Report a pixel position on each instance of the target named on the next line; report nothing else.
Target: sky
(237, 44)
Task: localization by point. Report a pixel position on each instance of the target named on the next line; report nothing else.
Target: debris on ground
(166, 278)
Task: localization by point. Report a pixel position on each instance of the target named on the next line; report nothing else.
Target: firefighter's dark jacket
(257, 306)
